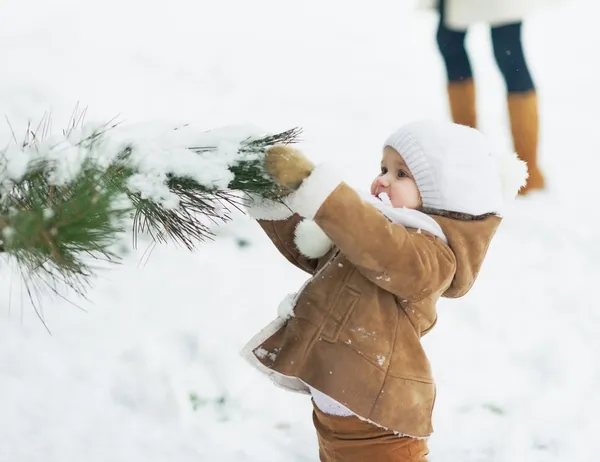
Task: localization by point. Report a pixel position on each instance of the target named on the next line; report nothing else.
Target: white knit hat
(456, 169)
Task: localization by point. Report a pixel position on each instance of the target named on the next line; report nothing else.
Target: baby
(379, 263)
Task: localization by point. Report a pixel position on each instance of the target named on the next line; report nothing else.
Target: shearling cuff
(310, 239)
(265, 209)
(314, 190)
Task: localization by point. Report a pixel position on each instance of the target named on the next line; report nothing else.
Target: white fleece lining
(310, 239)
(265, 209)
(314, 190)
(339, 410)
(281, 380)
(406, 217)
(328, 405)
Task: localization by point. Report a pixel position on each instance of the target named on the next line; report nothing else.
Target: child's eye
(402, 174)
(383, 170)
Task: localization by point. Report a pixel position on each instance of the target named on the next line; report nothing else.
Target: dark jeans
(508, 51)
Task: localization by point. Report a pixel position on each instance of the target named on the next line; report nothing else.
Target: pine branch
(59, 227)
(187, 224)
(52, 230)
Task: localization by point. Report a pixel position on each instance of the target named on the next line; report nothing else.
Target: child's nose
(383, 181)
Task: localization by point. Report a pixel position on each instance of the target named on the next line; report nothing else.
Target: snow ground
(151, 371)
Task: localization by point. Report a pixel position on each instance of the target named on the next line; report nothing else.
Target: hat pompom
(513, 173)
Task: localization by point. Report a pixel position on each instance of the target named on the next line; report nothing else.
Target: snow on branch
(67, 199)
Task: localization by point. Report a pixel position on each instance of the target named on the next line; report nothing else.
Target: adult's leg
(522, 98)
(461, 87)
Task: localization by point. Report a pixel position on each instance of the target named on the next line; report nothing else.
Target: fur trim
(314, 190)
(265, 209)
(408, 218)
(283, 381)
(513, 173)
(310, 239)
(285, 309)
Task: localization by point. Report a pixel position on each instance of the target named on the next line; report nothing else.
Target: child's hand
(288, 166)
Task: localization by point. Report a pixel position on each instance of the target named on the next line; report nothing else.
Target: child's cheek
(396, 191)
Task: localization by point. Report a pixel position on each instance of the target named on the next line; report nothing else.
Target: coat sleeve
(410, 264)
(279, 223)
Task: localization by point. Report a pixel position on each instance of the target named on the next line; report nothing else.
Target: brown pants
(350, 439)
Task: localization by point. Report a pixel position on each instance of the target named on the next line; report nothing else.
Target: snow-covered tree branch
(66, 200)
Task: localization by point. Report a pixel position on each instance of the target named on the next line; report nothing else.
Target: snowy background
(151, 371)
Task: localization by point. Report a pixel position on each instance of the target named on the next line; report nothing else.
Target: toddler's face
(396, 181)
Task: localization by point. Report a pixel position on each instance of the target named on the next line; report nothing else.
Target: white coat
(460, 14)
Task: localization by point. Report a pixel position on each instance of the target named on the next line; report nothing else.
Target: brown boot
(461, 97)
(524, 124)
